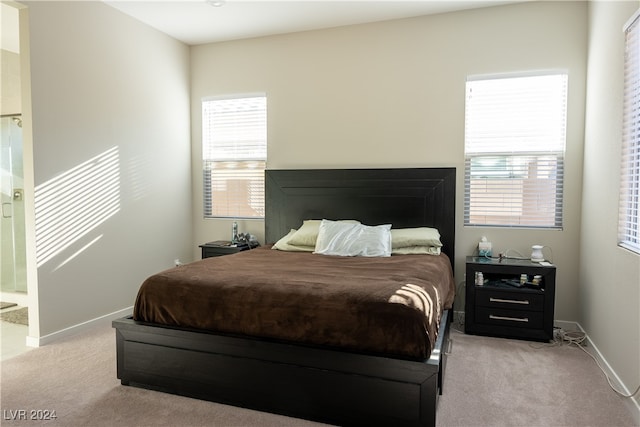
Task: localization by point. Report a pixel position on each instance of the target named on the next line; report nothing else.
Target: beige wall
(391, 94)
(110, 95)
(609, 275)
(10, 102)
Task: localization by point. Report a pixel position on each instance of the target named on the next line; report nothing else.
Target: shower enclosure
(12, 221)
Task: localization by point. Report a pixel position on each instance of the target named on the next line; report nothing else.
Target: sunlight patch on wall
(78, 252)
(76, 202)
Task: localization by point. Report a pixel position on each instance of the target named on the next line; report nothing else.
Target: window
(234, 155)
(515, 129)
(628, 227)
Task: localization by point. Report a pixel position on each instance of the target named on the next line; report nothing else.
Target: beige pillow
(421, 236)
(416, 250)
(284, 245)
(307, 235)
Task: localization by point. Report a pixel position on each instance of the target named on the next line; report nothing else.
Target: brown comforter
(388, 306)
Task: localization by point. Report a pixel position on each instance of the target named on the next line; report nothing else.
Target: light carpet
(489, 382)
(19, 316)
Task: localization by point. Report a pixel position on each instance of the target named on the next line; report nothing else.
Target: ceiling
(199, 21)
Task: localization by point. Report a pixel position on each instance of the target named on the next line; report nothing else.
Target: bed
(343, 381)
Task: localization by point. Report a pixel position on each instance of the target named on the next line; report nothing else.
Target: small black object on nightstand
(221, 247)
(515, 299)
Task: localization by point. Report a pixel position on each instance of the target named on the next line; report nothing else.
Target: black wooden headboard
(416, 197)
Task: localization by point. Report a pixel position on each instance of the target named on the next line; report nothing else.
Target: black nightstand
(499, 309)
(212, 249)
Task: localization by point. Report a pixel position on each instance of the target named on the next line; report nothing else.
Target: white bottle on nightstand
(234, 232)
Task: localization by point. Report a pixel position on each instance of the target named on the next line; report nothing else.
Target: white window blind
(628, 223)
(515, 131)
(234, 153)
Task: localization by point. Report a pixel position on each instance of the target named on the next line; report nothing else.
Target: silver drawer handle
(509, 301)
(515, 319)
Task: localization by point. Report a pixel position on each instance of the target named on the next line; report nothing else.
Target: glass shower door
(12, 224)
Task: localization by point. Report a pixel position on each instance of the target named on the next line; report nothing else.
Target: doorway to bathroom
(15, 301)
(13, 254)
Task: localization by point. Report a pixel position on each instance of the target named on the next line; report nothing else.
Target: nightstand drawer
(515, 318)
(510, 300)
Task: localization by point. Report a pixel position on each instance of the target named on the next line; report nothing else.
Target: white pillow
(284, 245)
(349, 239)
(421, 236)
(308, 233)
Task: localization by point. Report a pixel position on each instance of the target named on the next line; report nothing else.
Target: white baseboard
(632, 404)
(568, 326)
(72, 330)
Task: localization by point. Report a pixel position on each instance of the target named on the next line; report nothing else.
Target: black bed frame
(308, 382)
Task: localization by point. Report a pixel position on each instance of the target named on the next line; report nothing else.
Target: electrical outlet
(177, 262)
